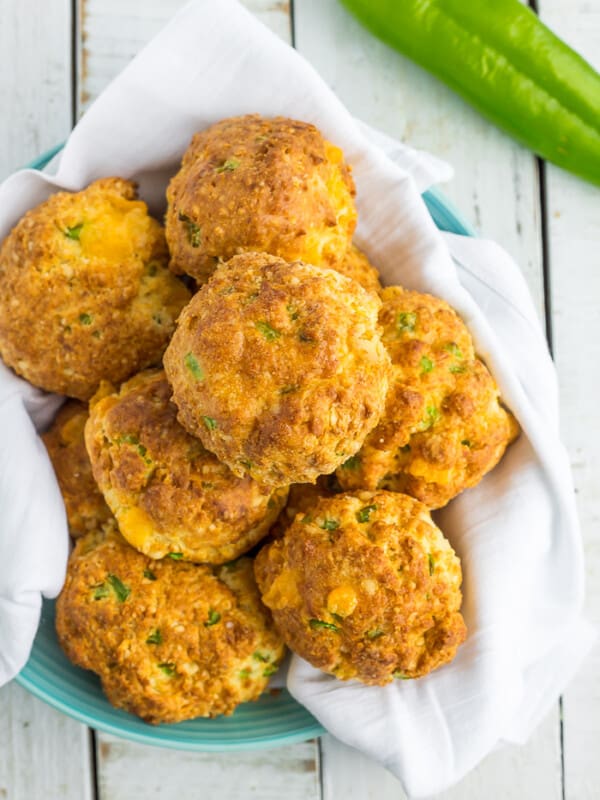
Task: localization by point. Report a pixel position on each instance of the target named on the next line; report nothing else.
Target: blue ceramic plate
(275, 719)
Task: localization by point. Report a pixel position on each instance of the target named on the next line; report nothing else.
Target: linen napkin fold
(516, 533)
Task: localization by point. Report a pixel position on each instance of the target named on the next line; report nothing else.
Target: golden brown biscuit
(170, 640)
(84, 503)
(264, 185)
(279, 368)
(444, 426)
(357, 266)
(302, 497)
(85, 292)
(365, 586)
(169, 494)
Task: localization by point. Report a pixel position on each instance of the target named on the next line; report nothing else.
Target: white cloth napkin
(517, 532)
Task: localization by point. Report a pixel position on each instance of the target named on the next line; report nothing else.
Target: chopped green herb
(101, 591)
(191, 363)
(74, 232)
(141, 450)
(210, 423)
(375, 633)
(426, 364)
(229, 165)
(213, 618)
(244, 673)
(149, 574)
(306, 519)
(155, 637)
(292, 311)
(365, 513)
(128, 438)
(432, 415)
(168, 667)
(431, 563)
(401, 676)
(245, 463)
(316, 624)
(330, 524)
(453, 349)
(86, 319)
(457, 369)
(269, 670)
(193, 230)
(267, 331)
(405, 448)
(288, 389)
(122, 592)
(260, 657)
(175, 556)
(406, 321)
(97, 334)
(467, 443)
(351, 463)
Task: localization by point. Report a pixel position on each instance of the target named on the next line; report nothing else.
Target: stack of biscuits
(256, 430)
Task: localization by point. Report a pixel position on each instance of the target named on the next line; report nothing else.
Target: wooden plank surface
(35, 58)
(496, 186)
(135, 772)
(43, 754)
(573, 215)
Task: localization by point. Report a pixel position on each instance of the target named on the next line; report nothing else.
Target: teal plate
(275, 719)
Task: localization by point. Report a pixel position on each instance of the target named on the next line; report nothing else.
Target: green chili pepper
(503, 60)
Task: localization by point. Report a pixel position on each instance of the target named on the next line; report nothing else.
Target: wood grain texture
(35, 59)
(111, 32)
(136, 772)
(573, 223)
(43, 753)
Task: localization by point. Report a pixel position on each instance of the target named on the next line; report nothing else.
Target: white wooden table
(55, 57)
